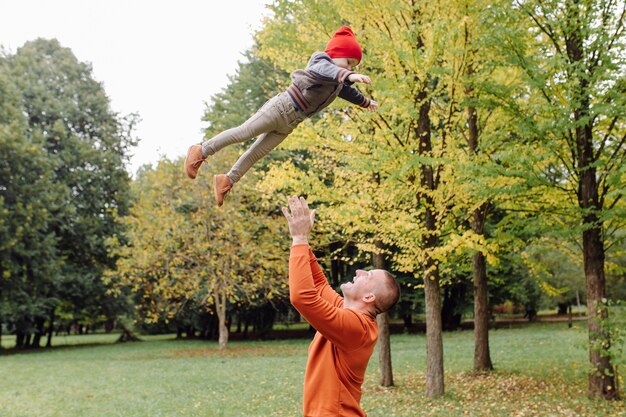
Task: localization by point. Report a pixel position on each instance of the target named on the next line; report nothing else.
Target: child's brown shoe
(222, 187)
(194, 160)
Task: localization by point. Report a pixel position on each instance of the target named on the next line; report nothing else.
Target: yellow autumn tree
(184, 251)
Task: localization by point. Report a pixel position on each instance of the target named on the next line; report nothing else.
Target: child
(327, 75)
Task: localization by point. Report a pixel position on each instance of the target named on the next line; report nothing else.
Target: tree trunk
(602, 375)
(220, 308)
(562, 308)
(434, 343)
(127, 334)
(39, 331)
(19, 339)
(384, 350)
(190, 331)
(50, 328)
(408, 321)
(569, 317)
(26, 340)
(109, 325)
(482, 356)
(384, 342)
(453, 298)
(0, 323)
(432, 294)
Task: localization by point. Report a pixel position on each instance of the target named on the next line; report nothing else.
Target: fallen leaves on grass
(237, 351)
(486, 394)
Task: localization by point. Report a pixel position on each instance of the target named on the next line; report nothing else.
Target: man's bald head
(387, 292)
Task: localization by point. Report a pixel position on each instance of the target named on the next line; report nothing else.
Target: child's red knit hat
(343, 44)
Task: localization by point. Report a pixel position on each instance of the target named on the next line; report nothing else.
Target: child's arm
(322, 66)
(354, 96)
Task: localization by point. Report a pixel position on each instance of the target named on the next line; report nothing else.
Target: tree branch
(618, 148)
(612, 39)
(547, 29)
(618, 226)
(606, 136)
(390, 129)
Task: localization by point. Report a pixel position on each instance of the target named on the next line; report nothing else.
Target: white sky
(161, 59)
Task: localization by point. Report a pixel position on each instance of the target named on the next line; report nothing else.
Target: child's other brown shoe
(222, 187)
(193, 161)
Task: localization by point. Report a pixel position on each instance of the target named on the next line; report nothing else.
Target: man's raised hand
(300, 219)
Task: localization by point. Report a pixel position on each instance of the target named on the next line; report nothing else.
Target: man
(346, 326)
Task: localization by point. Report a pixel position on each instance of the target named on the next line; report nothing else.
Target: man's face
(363, 283)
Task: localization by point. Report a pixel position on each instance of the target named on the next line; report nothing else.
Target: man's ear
(369, 298)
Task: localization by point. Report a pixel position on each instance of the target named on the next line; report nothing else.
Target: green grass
(541, 371)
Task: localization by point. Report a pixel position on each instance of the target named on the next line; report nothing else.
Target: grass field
(541, 371)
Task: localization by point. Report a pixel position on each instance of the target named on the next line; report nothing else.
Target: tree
(417, 64)
(573, 61)
(184, 252)
(67, 116)
(255, 81)
(463, 131)
(482, 357)
(28, 198)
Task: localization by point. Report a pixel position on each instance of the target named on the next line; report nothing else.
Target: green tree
(67, 116)
(28, 199)
(572, 57)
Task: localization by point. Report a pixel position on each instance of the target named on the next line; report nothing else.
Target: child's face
(347, 63)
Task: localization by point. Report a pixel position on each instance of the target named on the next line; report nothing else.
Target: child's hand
(359, 78)
(373, 106)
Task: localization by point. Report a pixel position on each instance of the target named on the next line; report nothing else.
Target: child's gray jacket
(320, 83)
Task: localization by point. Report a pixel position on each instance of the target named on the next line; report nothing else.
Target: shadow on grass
(15, 351)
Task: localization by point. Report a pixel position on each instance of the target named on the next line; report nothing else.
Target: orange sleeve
(341, 326)
(321, 283)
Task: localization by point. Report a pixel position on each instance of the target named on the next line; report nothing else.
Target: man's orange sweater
(342, 346)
